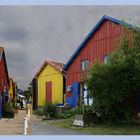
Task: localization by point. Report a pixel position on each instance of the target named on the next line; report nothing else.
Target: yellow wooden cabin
(11, 89)
(50, 84)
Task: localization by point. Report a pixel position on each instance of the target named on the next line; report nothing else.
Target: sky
(33, 34)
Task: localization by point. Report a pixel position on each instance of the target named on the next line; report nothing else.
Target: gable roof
(2, 55)
(93, 31)
(58, 66)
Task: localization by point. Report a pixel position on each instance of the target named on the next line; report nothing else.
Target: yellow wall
(50, 74)
(11, 89)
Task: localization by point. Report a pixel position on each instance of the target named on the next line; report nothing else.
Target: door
(87, 99)
(75, 94)
(83, 94)
(84, 97)
(49, 92)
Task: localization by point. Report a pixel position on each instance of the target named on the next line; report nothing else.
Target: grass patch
(99, 129)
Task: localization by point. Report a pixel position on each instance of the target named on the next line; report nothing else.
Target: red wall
(3, 76)
(102, 42)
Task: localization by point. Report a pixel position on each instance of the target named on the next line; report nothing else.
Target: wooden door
(74, 94)
(49, 92)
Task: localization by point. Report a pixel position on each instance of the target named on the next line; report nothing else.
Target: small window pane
(84, 65)
(105, 59)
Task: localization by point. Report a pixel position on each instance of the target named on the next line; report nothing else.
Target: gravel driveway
(43, 128)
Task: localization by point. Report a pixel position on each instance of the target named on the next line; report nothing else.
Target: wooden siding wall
(3, 76)
(102, 42)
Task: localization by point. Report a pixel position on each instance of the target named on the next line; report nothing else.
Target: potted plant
(7, 110)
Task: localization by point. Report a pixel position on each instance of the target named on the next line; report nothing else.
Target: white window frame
(84, 65)
(106, 57)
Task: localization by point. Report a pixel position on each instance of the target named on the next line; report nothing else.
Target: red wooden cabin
(96, 46)
(4, 77)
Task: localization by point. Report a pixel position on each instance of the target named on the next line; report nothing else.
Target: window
(84, 65)
(106, 59)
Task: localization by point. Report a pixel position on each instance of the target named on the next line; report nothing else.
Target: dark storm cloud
(31, 34)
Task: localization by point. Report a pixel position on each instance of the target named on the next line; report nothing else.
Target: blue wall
(73, 100)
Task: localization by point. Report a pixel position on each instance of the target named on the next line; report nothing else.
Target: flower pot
(8, 115)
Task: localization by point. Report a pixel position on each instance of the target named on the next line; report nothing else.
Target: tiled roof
(58, 66)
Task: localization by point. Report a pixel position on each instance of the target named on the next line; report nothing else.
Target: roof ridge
(54, 61)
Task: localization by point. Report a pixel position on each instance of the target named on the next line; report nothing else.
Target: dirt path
(14, 126)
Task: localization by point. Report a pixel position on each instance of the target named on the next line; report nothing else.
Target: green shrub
(40, 112)
(7, 110)
(88, 109)
(49, 110)
(114, 85)
(69, 113)
(7, 106)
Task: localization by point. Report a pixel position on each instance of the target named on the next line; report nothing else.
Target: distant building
(48, 84)
(15, 88)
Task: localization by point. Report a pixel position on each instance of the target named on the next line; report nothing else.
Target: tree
(114, 85)
(28, 92)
